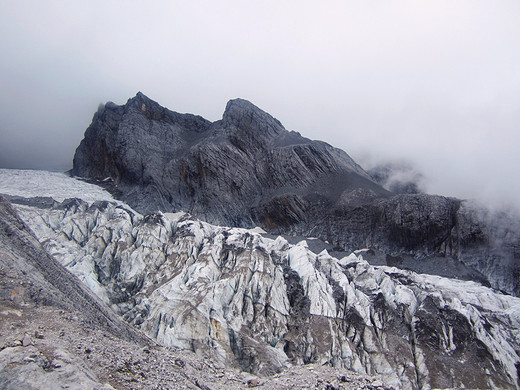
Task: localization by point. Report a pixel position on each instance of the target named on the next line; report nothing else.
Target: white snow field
(57, 185)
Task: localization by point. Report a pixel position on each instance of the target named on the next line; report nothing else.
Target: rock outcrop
(261, 304)
(247, 170)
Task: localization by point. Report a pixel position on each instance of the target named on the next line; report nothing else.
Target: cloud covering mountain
(436, 83)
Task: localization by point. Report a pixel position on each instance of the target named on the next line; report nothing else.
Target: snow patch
(56, 185)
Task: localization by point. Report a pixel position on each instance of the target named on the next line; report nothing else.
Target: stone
(38, 335)
(253, 383)
(27, 340)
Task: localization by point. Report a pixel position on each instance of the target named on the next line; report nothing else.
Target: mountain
(246, 170)
(243, 170)
(238, 254)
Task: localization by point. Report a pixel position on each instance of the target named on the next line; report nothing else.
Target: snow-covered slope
(56, 185)
(263, 304)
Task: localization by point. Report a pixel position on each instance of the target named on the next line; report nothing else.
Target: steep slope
(47, 281)
(247, 170)
(262, 304)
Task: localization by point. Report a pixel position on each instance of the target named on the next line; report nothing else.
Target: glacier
(261, 304)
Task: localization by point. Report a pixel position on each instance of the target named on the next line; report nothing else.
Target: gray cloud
(434, 83)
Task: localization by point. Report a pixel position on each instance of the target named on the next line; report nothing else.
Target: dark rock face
(242, 170)
(247, 170)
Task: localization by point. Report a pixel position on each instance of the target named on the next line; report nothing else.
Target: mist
(436, 84)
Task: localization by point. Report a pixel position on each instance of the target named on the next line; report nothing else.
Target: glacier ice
(262, 304)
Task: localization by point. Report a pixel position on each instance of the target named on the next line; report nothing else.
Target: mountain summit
(243, 170)
(247, 170)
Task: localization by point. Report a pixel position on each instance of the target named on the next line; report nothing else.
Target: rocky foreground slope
(247, 170)
(55, 334)
(260, 304)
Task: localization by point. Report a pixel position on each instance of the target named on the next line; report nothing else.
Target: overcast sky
(436, 83)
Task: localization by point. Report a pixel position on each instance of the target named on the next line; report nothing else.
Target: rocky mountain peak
(139, 96)
(244, 115)
(148, 107)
